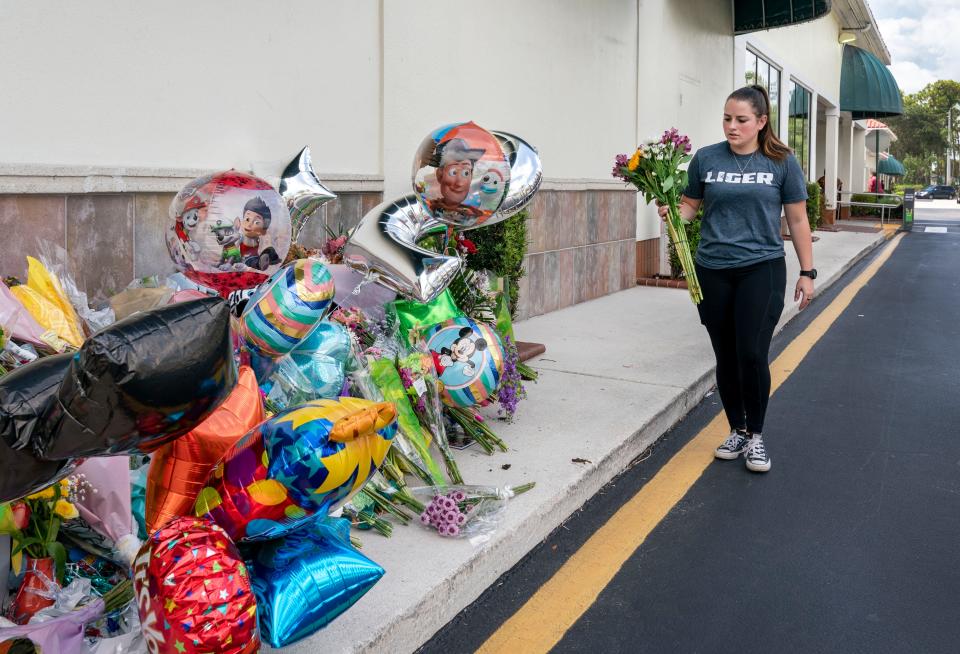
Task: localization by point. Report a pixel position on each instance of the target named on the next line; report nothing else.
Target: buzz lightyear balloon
(461, 175)
(228, 231)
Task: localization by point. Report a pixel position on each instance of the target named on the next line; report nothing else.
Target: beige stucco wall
(190, 84)
(686, 64)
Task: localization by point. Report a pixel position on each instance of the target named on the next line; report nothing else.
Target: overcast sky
(923, 37)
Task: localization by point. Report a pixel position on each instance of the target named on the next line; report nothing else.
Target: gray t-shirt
(741, 209)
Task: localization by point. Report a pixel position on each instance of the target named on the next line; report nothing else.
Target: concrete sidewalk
(619, 371)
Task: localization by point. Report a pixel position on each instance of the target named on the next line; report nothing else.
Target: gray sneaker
(732, 447)
(756, 455)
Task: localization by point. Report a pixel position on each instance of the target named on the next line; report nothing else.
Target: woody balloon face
(448, 169)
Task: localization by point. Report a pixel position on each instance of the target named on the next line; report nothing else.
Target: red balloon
(193, 591)
(178, 470)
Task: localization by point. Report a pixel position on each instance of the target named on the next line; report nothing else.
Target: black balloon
(25, 394)
(142, 382)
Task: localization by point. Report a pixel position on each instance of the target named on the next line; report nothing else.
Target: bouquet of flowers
(416, 372)
(654, 169)
(465, 511)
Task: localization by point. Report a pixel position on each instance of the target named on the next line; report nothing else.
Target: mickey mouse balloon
(468, 357)
(228, 231)
(461, 174)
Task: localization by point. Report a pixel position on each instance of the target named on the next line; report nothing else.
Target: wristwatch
(812, 273)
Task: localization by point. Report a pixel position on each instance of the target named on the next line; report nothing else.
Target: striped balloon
(287, 307)
(468, 357)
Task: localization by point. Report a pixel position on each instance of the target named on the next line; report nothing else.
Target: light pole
(950, 141)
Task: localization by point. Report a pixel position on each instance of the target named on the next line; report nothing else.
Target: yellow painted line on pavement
(540, 623)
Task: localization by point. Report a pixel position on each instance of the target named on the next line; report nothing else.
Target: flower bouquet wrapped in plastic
(465, 511)
(419, 381)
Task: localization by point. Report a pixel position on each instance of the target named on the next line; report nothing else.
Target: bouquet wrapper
(55, 259)
(17, 321)
(387, 379)
(108, 510)
(413, 316)
(463, 511)
(4, 567)
(44, 297)
(131, 300)
(61, 634)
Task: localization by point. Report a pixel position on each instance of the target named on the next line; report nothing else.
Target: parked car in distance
(938, 192)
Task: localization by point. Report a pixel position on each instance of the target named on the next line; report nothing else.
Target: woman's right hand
(663, 210)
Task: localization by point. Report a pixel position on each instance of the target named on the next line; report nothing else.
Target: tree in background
(922, 130)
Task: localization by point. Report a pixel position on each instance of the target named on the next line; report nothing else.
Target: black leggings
(740, 309)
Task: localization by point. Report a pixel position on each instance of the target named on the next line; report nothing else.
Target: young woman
(742, 184)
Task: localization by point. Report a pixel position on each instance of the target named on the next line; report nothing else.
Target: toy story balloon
(461, 174)
(229, 231)
(302, 462)
(468, 357)
(142, 382)
(526, 174)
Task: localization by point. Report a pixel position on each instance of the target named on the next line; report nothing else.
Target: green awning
(867, 89)
(891, 166)
(753, 15)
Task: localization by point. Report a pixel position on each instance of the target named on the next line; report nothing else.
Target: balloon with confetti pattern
(193, 591)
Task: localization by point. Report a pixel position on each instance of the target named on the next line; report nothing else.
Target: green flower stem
(678, 236)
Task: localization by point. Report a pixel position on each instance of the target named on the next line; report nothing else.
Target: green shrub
(501, 248)
(814, 205)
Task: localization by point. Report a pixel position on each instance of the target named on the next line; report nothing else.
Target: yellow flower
(65, 510)
(45, 494)
(635, 160)
(65, 482)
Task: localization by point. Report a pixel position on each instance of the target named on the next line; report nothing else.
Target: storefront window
(799, 128)
(760, 71)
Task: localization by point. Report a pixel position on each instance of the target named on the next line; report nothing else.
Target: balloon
(461, 174)
(308, 578)
(314, 369)
(301, 462)
(302, 190)
(468, 357)
(385, 244)
(193, 591)
(179, 469)
(25, 395)
(142, 382)
(526, 174)
(228, 231)
(287, 307)
(353, 290)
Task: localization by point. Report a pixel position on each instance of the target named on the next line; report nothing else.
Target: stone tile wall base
(112, 239)
(582, 245)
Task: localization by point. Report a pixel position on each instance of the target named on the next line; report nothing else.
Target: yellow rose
(45, 494)
(65, 510)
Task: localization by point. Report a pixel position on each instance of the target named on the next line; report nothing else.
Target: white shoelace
(756, 450)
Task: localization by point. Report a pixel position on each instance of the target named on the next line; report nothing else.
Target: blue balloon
(306, 579)
(314, 369)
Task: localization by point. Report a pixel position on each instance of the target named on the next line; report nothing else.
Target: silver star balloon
(303, 191)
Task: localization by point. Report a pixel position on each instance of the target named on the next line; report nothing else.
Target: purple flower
(459, 496)
(461, 519)
(425, 518)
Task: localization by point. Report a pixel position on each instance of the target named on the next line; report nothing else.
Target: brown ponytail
(770, 145)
